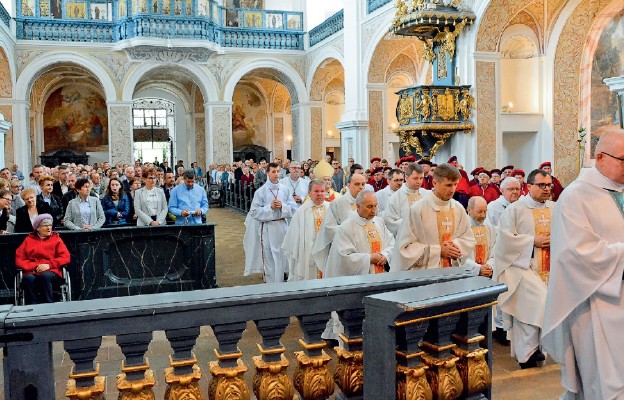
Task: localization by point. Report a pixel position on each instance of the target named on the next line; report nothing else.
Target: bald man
(584, 305)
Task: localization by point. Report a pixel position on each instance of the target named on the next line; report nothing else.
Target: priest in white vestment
(337, 213)
(522, 262)
(266, 225)
(362, 244)
(510, 189)
(585, 308)
(482, 257)
(297, 184)
(436, 233)
(401, 201)
(301, 234)
(395, 181)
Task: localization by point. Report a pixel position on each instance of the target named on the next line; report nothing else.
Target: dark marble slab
(126, 261)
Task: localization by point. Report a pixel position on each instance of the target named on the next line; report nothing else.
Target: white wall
(519, 150)
(318, 11)
(520, 84)
(284, 5)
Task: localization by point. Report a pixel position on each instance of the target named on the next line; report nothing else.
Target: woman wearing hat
(41, 257)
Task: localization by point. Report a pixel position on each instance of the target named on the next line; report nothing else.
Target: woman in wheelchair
(41, 257)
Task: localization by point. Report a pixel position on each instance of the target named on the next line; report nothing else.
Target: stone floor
(509, 382)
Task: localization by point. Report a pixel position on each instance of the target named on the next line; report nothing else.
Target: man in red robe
(484, 189)
(461, 193)
(427, 182)
(378, 181)
(519, 174)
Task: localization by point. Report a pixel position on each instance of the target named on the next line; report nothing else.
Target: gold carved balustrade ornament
(186, 386)
(271, 381)
(228, 382)
(312, 378)
(349, 373)
(139, 389)
(95, 392)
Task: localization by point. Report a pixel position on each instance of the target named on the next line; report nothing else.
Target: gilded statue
(448, 38)
(465, 104)
(401, 9)
(406, 108)
(424, 108)
(428, 53)
(418, 4)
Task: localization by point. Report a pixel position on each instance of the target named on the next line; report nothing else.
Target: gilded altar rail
(29, 331)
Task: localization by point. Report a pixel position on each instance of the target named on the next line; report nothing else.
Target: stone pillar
(354, 124)
(489, 139)
(377, 121)
(617, 85)
(218, 132)
(301, 131)
(200, 140)
(317, 126)
(7, 138)
(354, 141)
(278, 135)
(120, 138)
(21, 139)
(4, 127)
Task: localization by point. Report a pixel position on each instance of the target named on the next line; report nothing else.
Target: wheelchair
(63, 292)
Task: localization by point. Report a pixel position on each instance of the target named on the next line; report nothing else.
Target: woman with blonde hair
(25, 215)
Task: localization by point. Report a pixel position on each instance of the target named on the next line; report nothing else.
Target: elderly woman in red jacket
(41, 256)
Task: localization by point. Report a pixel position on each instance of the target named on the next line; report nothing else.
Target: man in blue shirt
(188, 202)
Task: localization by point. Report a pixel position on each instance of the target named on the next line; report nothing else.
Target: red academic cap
(409, 159)
(545, 164)
(511, 167)
(495, 171)
(376, 170)
(476, 171)
(375, 159)
(485, 171)
(452, 159)
(517, 172)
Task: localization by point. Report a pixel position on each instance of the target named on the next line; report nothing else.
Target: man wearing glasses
(585, 306)
(510, 189)
(522, 262)
(5, 206)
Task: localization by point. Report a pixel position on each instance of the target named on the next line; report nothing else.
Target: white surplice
(265, 232)
(399, 205)
(495, 209)
(338, 212)
(418, 243)
(516, 267)
(382, 199)
(298, 187)
(585, 307)
(299, 240)
(350, 253)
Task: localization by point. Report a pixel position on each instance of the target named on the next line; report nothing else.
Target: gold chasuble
(541, 219)
(411, 198)
(353, 206)
(446, 227)
(481, 248)
(374, 240)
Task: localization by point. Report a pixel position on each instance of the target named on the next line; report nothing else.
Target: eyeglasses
(544, 185)
(151, 177)
(621, 160)
(512, 189)
(8, 198)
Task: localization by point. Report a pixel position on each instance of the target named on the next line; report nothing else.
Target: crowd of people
(318, 219)
(327, 222)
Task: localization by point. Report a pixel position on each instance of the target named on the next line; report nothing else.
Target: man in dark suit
(61, 186)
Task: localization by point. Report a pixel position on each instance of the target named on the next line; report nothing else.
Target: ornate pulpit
(429, 115)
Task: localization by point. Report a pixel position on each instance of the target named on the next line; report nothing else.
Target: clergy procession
(527, 234)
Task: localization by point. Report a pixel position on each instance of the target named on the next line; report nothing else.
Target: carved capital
(228, 383)
(473, 369)
(271, 381)
(136, 390)
(312, 378)
(95, 392)
(412, 384)
(183, 387)
(446, 384)
(349, 373)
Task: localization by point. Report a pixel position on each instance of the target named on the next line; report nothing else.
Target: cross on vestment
(447, 224)
(479, 235)
(543, 220)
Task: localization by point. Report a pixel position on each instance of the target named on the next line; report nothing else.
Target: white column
(354, 141)
(4, 127)
(218, 132)
(301, 146)
(354, 124)
(120, 128)
(21, 135)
